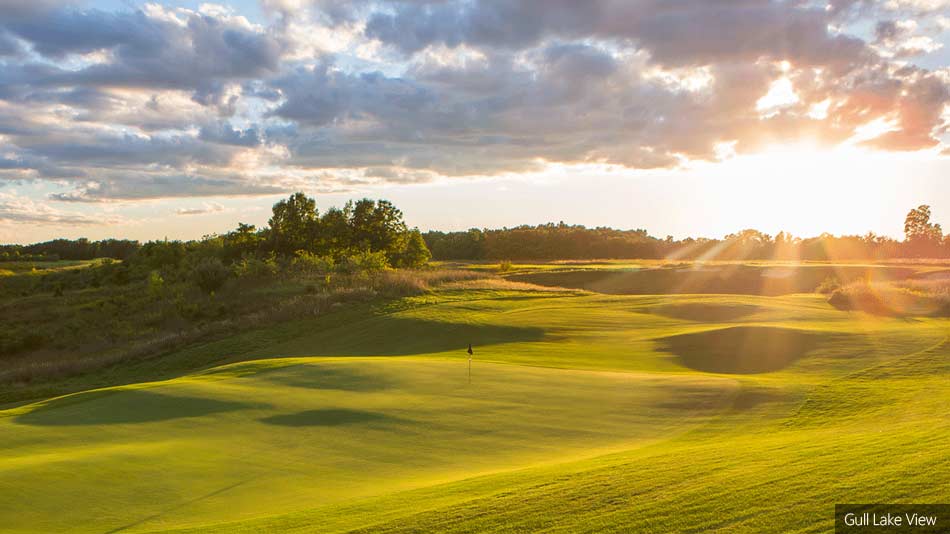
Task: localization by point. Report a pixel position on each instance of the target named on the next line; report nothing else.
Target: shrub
(908, 298)
(309, 263)
(255, 268)
(13, 342)
(364, 262)
(414, 252)
(156, 284)
(210, 274)
(504, 266)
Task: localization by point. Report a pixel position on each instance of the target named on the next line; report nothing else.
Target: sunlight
(781, 94)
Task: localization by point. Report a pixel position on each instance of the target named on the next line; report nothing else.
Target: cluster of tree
(297, 228)
(561, 241)
(70, 249)
(364, 235)
(543, 242)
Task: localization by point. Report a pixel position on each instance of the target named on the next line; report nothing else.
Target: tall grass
(320, 294)
(912, 297)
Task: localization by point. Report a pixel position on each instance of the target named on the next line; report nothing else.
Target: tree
(377, 226)
(242, 243)
(335, 237)
(293, 224)
(414, 253)
(210, 274)
(922, 236)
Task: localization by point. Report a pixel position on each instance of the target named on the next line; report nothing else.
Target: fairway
(741, 412)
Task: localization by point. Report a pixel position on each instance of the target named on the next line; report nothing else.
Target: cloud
(686, 32)
(161, 48)
(149, 186)
(21, 210)
(225, 134)
(160, 102)
(204, 209)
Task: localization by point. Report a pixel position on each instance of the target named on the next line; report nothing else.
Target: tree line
(372, 234)
(923, 239)
(70, 249)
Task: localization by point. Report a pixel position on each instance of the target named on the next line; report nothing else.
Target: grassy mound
(726, 278)
(269, 437)
(706, 312)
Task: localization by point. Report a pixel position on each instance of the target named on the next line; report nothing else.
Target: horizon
(839, 126)
(720, 237)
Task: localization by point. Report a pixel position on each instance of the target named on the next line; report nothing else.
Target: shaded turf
(718, 278)
(330, 417)
(741, 349)
(118, 407)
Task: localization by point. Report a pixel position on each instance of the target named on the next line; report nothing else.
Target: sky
(131, 119)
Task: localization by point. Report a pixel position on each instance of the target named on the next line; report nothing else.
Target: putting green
(280, 435)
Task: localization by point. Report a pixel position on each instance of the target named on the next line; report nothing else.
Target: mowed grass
(586, 413)
(255, 438)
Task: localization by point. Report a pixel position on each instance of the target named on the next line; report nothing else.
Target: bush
(255, 268)
(156, 284)
(210, 274)
(906, 298)
(309, 263)
(13, 343)
(364, 262)
(504, 266)
(414, 252)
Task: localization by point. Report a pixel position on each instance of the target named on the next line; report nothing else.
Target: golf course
(681, 410)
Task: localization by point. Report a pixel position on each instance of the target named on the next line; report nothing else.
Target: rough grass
(903, 298)
(70, 344)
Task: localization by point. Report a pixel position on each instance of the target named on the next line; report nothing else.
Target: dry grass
(344, 289)
(404, 283)
(506, 285)
(900, 298)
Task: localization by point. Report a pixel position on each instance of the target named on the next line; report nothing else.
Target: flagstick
(470, 370)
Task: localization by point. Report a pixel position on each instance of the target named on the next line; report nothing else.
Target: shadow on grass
(741, 349)
(330, 417)
(326, 377)
(720, 279)
(124, 407)
(399, 336)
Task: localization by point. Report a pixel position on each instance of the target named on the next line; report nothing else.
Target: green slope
(585, 413)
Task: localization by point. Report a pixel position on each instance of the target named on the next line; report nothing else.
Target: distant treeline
(296, 228)
(377, 228)
(70, 249)
(562, 241)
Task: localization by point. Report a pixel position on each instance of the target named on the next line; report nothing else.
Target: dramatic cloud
(159, 102)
